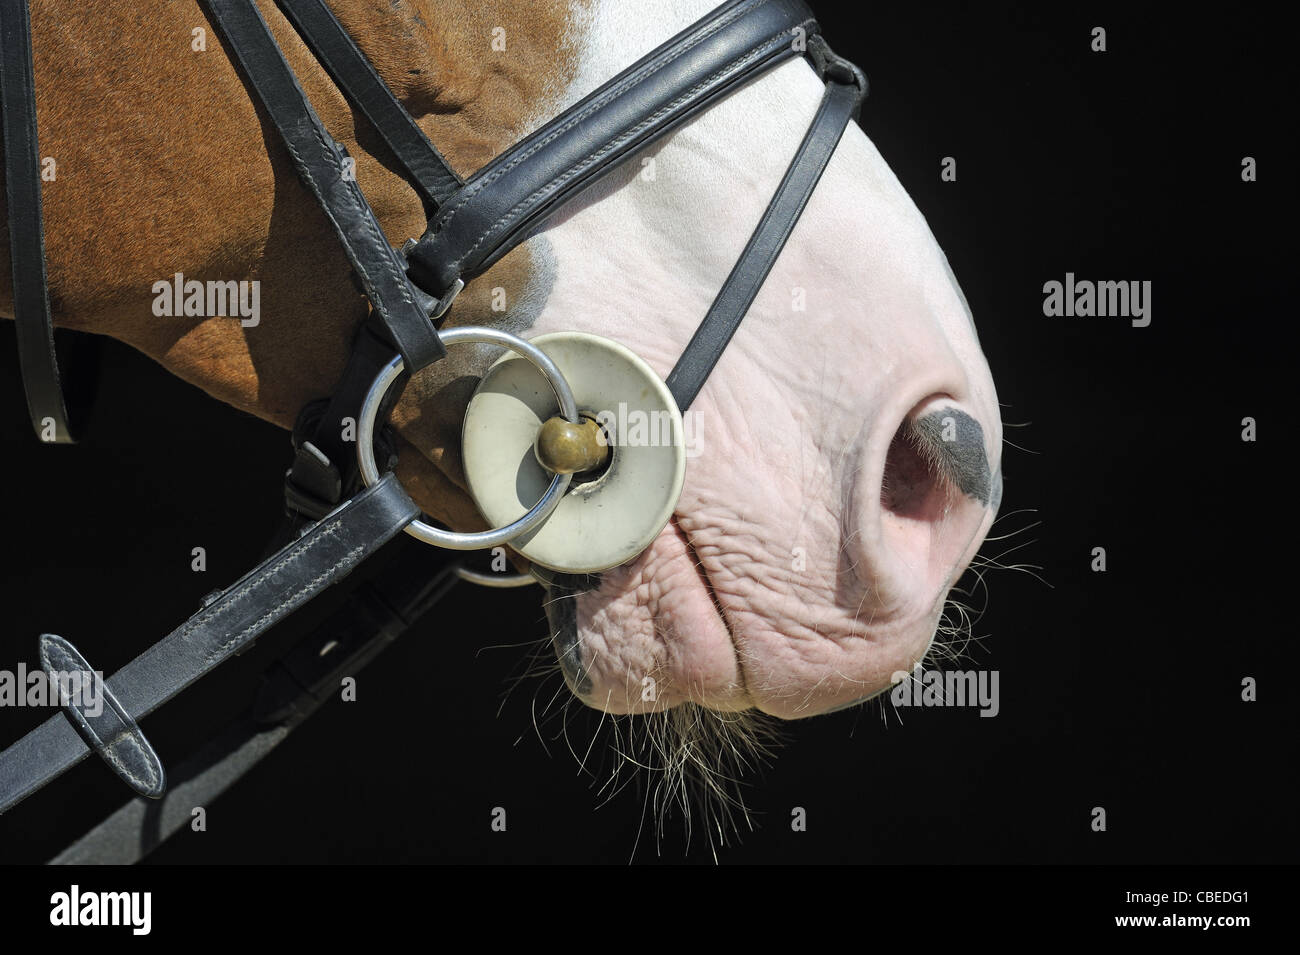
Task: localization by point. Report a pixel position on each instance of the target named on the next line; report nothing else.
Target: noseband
(345, 506)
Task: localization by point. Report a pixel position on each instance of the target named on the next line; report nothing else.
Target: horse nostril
(936, 490)
(931, 457)
(911, 487)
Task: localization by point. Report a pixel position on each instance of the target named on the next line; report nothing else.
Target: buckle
(302, 503)
(440, 307)
(313, 485)
(436, 308)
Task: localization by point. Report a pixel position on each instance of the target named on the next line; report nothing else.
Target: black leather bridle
(471, 224)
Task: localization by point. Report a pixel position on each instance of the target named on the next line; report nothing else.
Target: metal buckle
(440, 307)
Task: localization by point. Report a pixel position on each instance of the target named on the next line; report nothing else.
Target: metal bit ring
(540, 511)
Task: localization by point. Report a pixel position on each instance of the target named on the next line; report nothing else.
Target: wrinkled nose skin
(804, 611)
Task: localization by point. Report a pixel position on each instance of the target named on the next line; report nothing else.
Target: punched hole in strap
(100, 719)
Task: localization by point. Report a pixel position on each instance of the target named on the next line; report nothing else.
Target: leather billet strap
(323, 166)
(35, 329)
(424, 167)
(501, 202)
(321, 557)
(846, 88)
(375, 614)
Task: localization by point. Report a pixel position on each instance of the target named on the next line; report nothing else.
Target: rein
(343, 502)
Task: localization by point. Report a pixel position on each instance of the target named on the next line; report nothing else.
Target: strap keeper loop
(103, 722)
(834, 67)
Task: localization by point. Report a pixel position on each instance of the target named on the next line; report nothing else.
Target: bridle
(344, 506)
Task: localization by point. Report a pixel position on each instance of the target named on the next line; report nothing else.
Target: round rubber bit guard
(610, 514)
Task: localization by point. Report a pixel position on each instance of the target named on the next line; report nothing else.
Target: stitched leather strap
(648, 100)
(35, 329)
(839, 104)
(425, 168)
(322, 163)
(322, 556)
(293, 688)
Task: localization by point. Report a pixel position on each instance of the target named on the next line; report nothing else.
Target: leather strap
(321, 557)
(35, 328)
(322, 163)
(293, 688)
(845, 91)
(424, 167)
(648, 100)
(108, 729)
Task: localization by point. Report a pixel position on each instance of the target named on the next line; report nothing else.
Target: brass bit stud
(568, 448)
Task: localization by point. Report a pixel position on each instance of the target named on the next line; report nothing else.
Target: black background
(1119, 690)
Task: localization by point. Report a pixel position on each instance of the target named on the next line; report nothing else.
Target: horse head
(844, 453)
